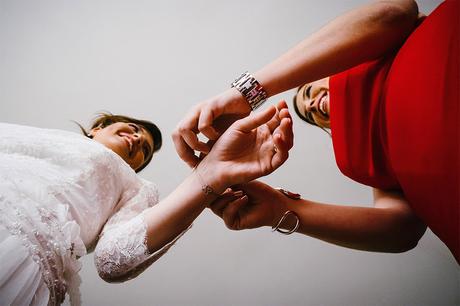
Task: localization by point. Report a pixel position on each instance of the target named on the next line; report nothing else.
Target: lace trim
(122, 252)
(120, 249)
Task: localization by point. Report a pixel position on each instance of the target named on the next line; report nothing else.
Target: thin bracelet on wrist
(293, 196)
(205, 188)
(283, 231)
(251, 90)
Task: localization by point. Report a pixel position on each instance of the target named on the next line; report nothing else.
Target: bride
(63, 194)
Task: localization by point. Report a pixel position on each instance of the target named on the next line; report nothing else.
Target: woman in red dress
(392, 107)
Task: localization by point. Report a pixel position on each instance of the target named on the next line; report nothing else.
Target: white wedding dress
(61, 194)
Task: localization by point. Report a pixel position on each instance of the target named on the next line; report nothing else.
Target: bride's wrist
(211, 178)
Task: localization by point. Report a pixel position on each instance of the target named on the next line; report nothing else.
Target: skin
(243, 153)
(387, 225)
(130, 141)
(337, 46)
(313, 101)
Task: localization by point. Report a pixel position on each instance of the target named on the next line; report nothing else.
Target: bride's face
(130, 141)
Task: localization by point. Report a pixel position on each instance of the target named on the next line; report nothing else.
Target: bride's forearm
(180, 208)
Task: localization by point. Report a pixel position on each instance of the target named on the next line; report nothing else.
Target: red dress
(395, 122)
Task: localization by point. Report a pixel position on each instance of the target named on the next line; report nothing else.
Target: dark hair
(305, 118)
(105, 119)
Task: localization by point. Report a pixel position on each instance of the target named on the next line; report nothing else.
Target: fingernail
(238, 193)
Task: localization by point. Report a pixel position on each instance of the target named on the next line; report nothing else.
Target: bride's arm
(246, 151)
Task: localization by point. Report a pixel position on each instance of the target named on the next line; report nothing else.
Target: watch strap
(251, 90)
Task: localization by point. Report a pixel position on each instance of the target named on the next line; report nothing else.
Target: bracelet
(207, 189)
(287, 232)
(251, 90)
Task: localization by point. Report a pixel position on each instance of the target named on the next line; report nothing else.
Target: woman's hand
(252, 147)
(202, 118)
(251, 205)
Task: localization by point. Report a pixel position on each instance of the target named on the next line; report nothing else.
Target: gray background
(65, 60)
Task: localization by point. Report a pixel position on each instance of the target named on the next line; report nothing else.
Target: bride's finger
(247, 124)
(282, 141)
(274, 122)
(286, 133)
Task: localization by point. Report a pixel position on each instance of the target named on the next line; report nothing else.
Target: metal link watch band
(251, 90)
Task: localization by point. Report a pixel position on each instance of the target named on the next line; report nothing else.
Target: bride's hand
(253, 146)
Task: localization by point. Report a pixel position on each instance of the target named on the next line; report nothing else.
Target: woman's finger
(191, 139)
(281, 112)
(255, 120)
(205, 124)
(284, 113)
(230, 212)
(184, 151)
(274, 122)
(281, 105)
(283, 136)
(286, 133)
(218, 205)
(283, 140)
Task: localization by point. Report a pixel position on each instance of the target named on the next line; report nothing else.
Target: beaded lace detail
(46, 242)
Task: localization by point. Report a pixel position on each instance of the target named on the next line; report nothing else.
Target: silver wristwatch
(251, 90)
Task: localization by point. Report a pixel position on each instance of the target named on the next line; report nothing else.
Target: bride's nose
(138, 137)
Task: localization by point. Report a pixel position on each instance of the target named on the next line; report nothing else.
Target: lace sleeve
(121, 253)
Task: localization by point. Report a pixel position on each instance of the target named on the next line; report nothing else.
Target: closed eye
(146, 151)
(135, 127)
(310, 119)
(307, 92)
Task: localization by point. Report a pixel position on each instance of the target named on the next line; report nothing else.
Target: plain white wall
(65, 60)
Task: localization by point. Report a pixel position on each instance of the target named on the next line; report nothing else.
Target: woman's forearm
(362, 228)
(180, 208)
(244, 152)
(360, 35)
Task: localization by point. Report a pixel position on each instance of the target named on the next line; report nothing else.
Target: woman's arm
(389, 226)
(131, 241)
(246, 151)
(138, 235)
(362, 34)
